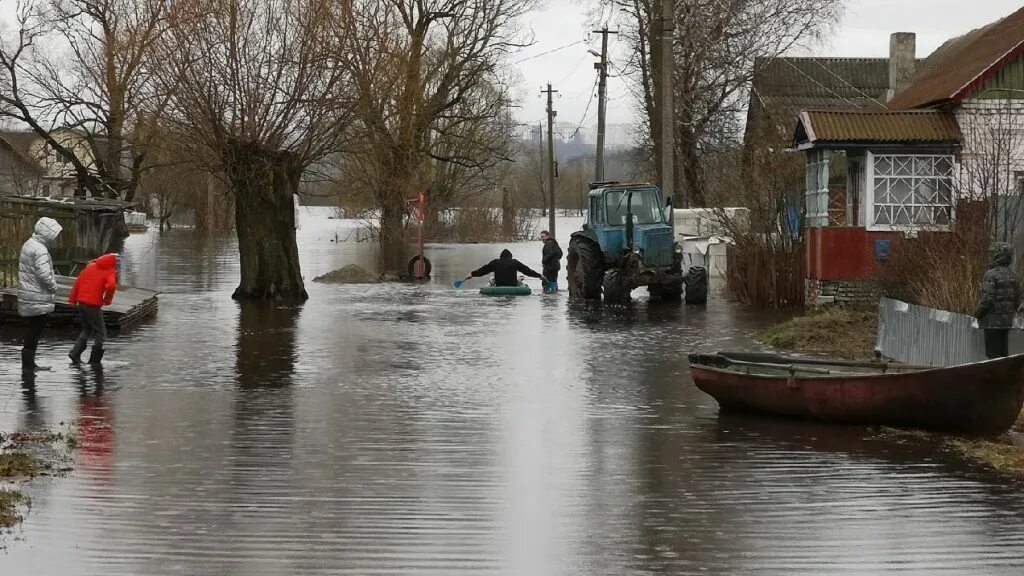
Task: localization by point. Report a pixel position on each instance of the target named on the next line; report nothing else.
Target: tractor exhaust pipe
(629, 221)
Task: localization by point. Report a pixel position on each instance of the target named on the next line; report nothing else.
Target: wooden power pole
(602, 101)
(551, 159)
(664, 100)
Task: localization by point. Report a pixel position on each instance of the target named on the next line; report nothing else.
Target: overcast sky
(864, 31)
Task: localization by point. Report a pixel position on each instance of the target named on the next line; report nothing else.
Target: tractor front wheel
(616, 289)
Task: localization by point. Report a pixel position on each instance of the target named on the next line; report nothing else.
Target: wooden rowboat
(983, 398)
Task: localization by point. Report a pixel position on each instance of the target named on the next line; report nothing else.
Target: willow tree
(258, 89)
(423, 71)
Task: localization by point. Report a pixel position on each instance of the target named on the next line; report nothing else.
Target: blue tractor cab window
(646, 207)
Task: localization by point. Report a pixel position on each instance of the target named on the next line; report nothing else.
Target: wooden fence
(90, 228)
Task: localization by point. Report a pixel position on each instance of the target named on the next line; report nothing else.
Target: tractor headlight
(678, 249)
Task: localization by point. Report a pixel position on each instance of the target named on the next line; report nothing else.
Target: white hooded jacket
(36, 282)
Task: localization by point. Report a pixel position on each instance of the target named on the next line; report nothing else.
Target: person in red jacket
(93, 289)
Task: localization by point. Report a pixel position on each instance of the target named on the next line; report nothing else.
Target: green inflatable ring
(521, 290)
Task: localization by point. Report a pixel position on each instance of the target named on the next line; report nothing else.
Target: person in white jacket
(36, 288)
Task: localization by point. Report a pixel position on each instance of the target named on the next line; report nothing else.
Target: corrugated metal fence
(926, 336)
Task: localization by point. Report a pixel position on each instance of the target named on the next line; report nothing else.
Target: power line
(585, 112)
(552, 51)
(808, 76)
(844, 81)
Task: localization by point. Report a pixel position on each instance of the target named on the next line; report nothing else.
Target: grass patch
(18, 464)
(1001, 455)
(834, 331)
(10, 501)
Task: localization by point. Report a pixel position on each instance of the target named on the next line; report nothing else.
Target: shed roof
(877, 127)
(962, 64)
(822, 82)
(784, 86)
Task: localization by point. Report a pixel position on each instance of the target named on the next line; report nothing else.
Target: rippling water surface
(401, 429)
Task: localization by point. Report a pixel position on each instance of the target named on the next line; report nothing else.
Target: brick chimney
(902, 61)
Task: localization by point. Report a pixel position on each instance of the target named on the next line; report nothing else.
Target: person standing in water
(551, 260)
(36, 288)
(94, 288)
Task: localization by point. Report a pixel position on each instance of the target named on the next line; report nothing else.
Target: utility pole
(540, 162)
(602, 101)
(551, 159)
(664, 104)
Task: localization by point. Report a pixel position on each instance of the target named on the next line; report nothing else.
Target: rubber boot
(76, 353)
(28, 362)
(96, 355)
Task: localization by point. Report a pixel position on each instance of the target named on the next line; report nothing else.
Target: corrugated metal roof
(881, 126)
(784, 86)
(963, 63)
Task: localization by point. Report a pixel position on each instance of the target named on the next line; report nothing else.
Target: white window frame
(870, 195)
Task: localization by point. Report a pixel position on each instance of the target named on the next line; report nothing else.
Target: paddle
(459, 283)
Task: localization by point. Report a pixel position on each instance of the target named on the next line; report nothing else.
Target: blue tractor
(627, 241)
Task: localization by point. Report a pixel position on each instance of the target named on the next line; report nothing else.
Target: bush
(940, 270)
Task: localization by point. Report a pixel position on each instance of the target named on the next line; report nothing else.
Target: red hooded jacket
(95, 285)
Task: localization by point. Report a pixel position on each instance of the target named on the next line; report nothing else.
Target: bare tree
(717, 44)
(259, 89)
(94, 78)
(424, 68)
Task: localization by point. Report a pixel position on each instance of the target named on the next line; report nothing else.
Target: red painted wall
(843, 253)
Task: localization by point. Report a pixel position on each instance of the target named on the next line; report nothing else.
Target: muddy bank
(832, 332)
(24, 457)
(1004, 454)
(351, 274)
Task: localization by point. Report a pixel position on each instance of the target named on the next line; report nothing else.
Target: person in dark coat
(506, 270)
(551, 260)
(1000, 297)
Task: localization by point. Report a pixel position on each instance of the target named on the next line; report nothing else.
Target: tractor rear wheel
(585, 269)
(696, 281)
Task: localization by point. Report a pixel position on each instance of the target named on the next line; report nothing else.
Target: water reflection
(94, 427)
(419, 429)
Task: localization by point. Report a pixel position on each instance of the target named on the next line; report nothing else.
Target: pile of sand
(351, 274)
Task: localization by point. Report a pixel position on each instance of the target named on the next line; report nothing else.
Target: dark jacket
(1000, 293)
(506, 270)
(551, 257)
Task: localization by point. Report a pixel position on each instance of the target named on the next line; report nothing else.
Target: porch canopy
(899, 168)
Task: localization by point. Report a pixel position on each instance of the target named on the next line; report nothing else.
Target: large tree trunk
(264, 182)
(392, 236)
(689, 175)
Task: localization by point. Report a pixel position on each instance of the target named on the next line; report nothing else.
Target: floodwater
(419, 429)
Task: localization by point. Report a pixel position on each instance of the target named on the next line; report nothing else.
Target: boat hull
(984, 398)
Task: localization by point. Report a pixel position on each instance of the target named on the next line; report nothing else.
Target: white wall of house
(992, 160)
(59, 177)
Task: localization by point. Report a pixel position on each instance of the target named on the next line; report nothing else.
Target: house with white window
(950, 132)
